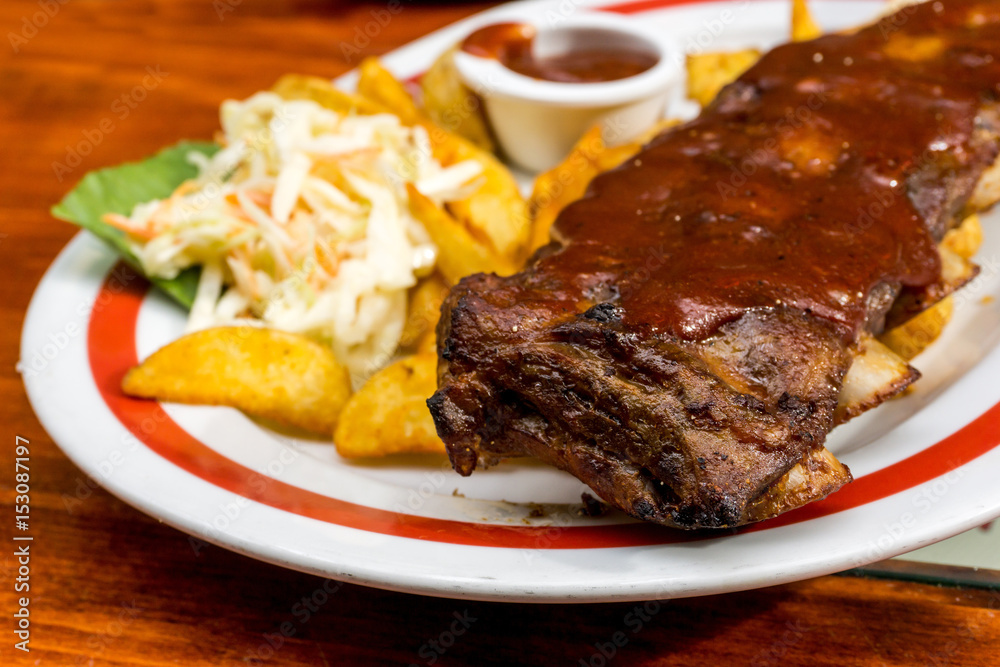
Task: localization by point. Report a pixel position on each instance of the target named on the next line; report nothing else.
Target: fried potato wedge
(454, 106)
(708, 73)
(423, 309)
(955, 272)
(818, 474)
(965, 239)
(459, 253)
(389, 414)
(428, 344)
(273, 374)
(804, 26)
(321, 91)
(914, 335)
(987, 192)
(911, 338)
(567, 181)
(876, 375)
(377, 84)
(495, 212)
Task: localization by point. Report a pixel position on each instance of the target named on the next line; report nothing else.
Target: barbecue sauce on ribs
(682, 343)
(793, 188)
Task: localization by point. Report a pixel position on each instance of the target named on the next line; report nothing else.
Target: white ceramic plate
(926, 464)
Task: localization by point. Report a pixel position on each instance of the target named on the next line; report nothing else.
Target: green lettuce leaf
(119, 189)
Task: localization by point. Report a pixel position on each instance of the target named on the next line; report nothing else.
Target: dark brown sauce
(511, 44)
(808, 183)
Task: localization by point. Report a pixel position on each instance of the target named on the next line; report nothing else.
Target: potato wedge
(817, 474)
(424, 309)
(459, 253)
(955, 272)
(567, 181)
(273, 374)
(428, 344)
(914, 336)
(708, 73)
(804, 26)
(987, 192)
(876, 374)
(452, 105)
(911, 338)
(389, 414)
(496, 212)
(564, 183)
(377, 84)
(965, 239)
(321, 91)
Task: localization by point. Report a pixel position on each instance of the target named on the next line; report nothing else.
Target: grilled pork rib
(682, 345)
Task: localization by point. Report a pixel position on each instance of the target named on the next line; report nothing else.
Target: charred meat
(705, 313)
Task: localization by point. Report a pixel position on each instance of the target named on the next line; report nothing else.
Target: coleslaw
(302, 223)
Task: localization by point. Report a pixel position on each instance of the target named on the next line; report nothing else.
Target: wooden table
(111, 586)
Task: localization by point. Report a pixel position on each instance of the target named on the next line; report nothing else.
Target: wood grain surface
(111, 586)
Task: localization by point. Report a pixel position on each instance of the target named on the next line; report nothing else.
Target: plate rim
(453, 588)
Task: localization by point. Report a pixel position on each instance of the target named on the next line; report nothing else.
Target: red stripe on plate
(112, 351)
(640, 6)
(111, 348)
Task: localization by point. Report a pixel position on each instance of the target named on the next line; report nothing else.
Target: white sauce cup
(536, 122)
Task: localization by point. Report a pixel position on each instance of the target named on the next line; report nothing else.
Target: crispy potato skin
(423, 310)
(452, 105)
(267, 373)
(804, 26)
(496, 212)
(389, 414)
(708, 73)
(914, 335)
(459, 252)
